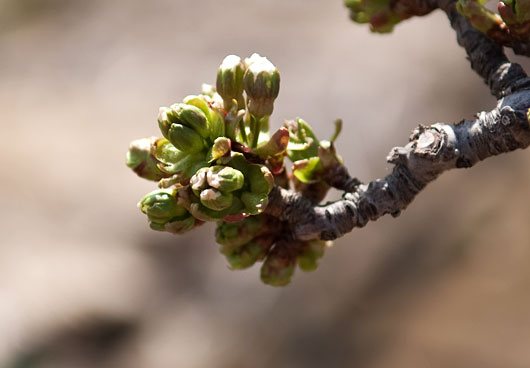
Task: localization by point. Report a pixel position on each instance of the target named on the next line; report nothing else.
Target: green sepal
(217, 125)
(199, 102)
(187, 166)
(191, 117)
(185, 139)
(215, 199)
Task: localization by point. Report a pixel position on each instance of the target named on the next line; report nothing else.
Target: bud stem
(255, 128)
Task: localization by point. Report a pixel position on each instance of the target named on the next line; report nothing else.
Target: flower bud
(165, 119)
(234, 235)
(161, 207)
(249, 253)
(225, 178)
(198, 181)
(278, 268)
(215, 199)
(199, 102)
(230, 78)
(191, 117)
(217, 125)
(179, 226)
(262, 85)
(309, 255)
(142, 161)
(185, 139)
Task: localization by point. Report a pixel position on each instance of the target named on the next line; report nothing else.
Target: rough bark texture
(431, 149)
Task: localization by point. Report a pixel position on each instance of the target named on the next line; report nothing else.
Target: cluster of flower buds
(379, 14)
(253, 239)
(383, 15)
(217, 161)
(512, 24)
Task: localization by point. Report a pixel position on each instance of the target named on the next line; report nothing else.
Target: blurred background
(85, 283)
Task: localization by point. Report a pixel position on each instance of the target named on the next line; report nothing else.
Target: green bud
(260, 178)
(192, 117)
(278, 268)
(167, 153)
(262, 85)
(198, 181)
(165, 119)
(248, 254)
(221, 146)
(217, 125)
(215, 199)
(142, 161)
(181, 226)
(309, 255)
(202, 213)
(225, 178)
(185, 139)
(230, 79)
(254, 203)
(161, 207)
(232, 235)
(199, 102)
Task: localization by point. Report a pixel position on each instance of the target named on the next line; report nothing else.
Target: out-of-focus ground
(84, 283)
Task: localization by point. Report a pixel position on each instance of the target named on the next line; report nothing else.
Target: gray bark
(431, 150)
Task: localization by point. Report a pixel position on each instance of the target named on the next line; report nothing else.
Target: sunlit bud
(192, 117)
(142, 161)
(165, 119)
(199, 102)
(225, 178)
(185, 139)
(230, 78)
(217, 125)
(262, 85)
(198, 181)
(161, 207)
(215, 199)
